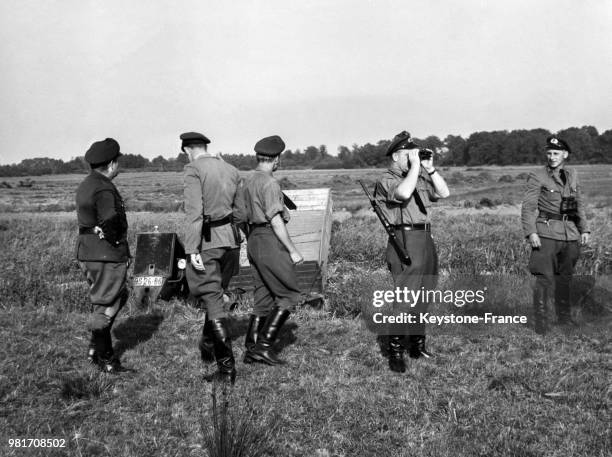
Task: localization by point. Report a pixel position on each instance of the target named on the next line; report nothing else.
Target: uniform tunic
(210, 186)
(553, 263)
(98, 203)
(274, 273)
(418, 244)
(543, 192)
(103, 261)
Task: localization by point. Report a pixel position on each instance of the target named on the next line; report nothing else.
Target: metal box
(159, 267)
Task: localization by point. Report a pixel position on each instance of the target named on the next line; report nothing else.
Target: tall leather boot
(97, 343)
(540, 314)
(256, 324)
(396, 354)
(222, 342)
(92, 355)
(417, 348)
(262, 352)
(108, 362)
(562, 303)
(206, 343)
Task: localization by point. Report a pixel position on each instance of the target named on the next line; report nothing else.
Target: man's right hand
(296, 257)
(413, 158)
(98, 231)
(534, 240)
(196, 262)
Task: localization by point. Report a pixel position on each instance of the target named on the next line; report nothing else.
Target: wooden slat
(310, 230)
(308, 275)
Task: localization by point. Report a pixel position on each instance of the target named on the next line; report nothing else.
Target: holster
(206, 228)
(236, 233)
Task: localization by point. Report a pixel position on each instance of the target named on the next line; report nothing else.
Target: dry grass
(496, 393)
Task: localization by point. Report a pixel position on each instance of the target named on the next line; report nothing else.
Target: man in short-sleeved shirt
(212, 245)
(405, 193)
(271, 253)
(554, 222)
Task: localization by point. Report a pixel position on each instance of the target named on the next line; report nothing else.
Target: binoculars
(569, 206)
(425, 154)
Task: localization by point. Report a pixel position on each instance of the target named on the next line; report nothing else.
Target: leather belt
(424, 226)
(219, 222)
(86, 231)
(557, 217)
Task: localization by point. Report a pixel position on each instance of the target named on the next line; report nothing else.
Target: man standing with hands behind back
(554, 222)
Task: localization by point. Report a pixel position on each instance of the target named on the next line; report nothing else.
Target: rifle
(405, 258)
(288, 202)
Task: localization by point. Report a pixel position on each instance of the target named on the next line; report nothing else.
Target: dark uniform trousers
(220, 265)
(108, 294)
(274, 275)
(553, 265)
(422, 272)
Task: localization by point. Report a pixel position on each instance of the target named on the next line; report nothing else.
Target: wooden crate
(310, 230)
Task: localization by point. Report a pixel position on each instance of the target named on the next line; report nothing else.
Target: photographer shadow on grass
(135, 330)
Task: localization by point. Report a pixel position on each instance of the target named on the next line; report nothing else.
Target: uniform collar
(98, 175)
(202, 156)
(558, 174)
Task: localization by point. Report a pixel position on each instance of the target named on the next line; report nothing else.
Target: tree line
(501, 147)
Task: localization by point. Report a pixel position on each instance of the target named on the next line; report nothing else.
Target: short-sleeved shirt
(262, 198)
(415, 210)
(543, 193)
(210, 186)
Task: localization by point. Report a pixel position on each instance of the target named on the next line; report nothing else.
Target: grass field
(502, 392)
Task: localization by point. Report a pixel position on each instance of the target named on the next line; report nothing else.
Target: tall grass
(238, 428)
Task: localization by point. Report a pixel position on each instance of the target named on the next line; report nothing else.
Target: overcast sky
(314, 72)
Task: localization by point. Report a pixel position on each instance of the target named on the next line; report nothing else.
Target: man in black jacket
(102, 248)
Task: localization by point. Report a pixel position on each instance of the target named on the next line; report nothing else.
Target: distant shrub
(455, 178)
(486, 202)
(505, 178)
(342, 180)
(157, 207)
(286, 183)
(522, 175)
(329, 163)
(485, 176)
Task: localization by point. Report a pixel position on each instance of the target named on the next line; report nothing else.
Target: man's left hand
(585, 238)
(196, 262)
(428, 164)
